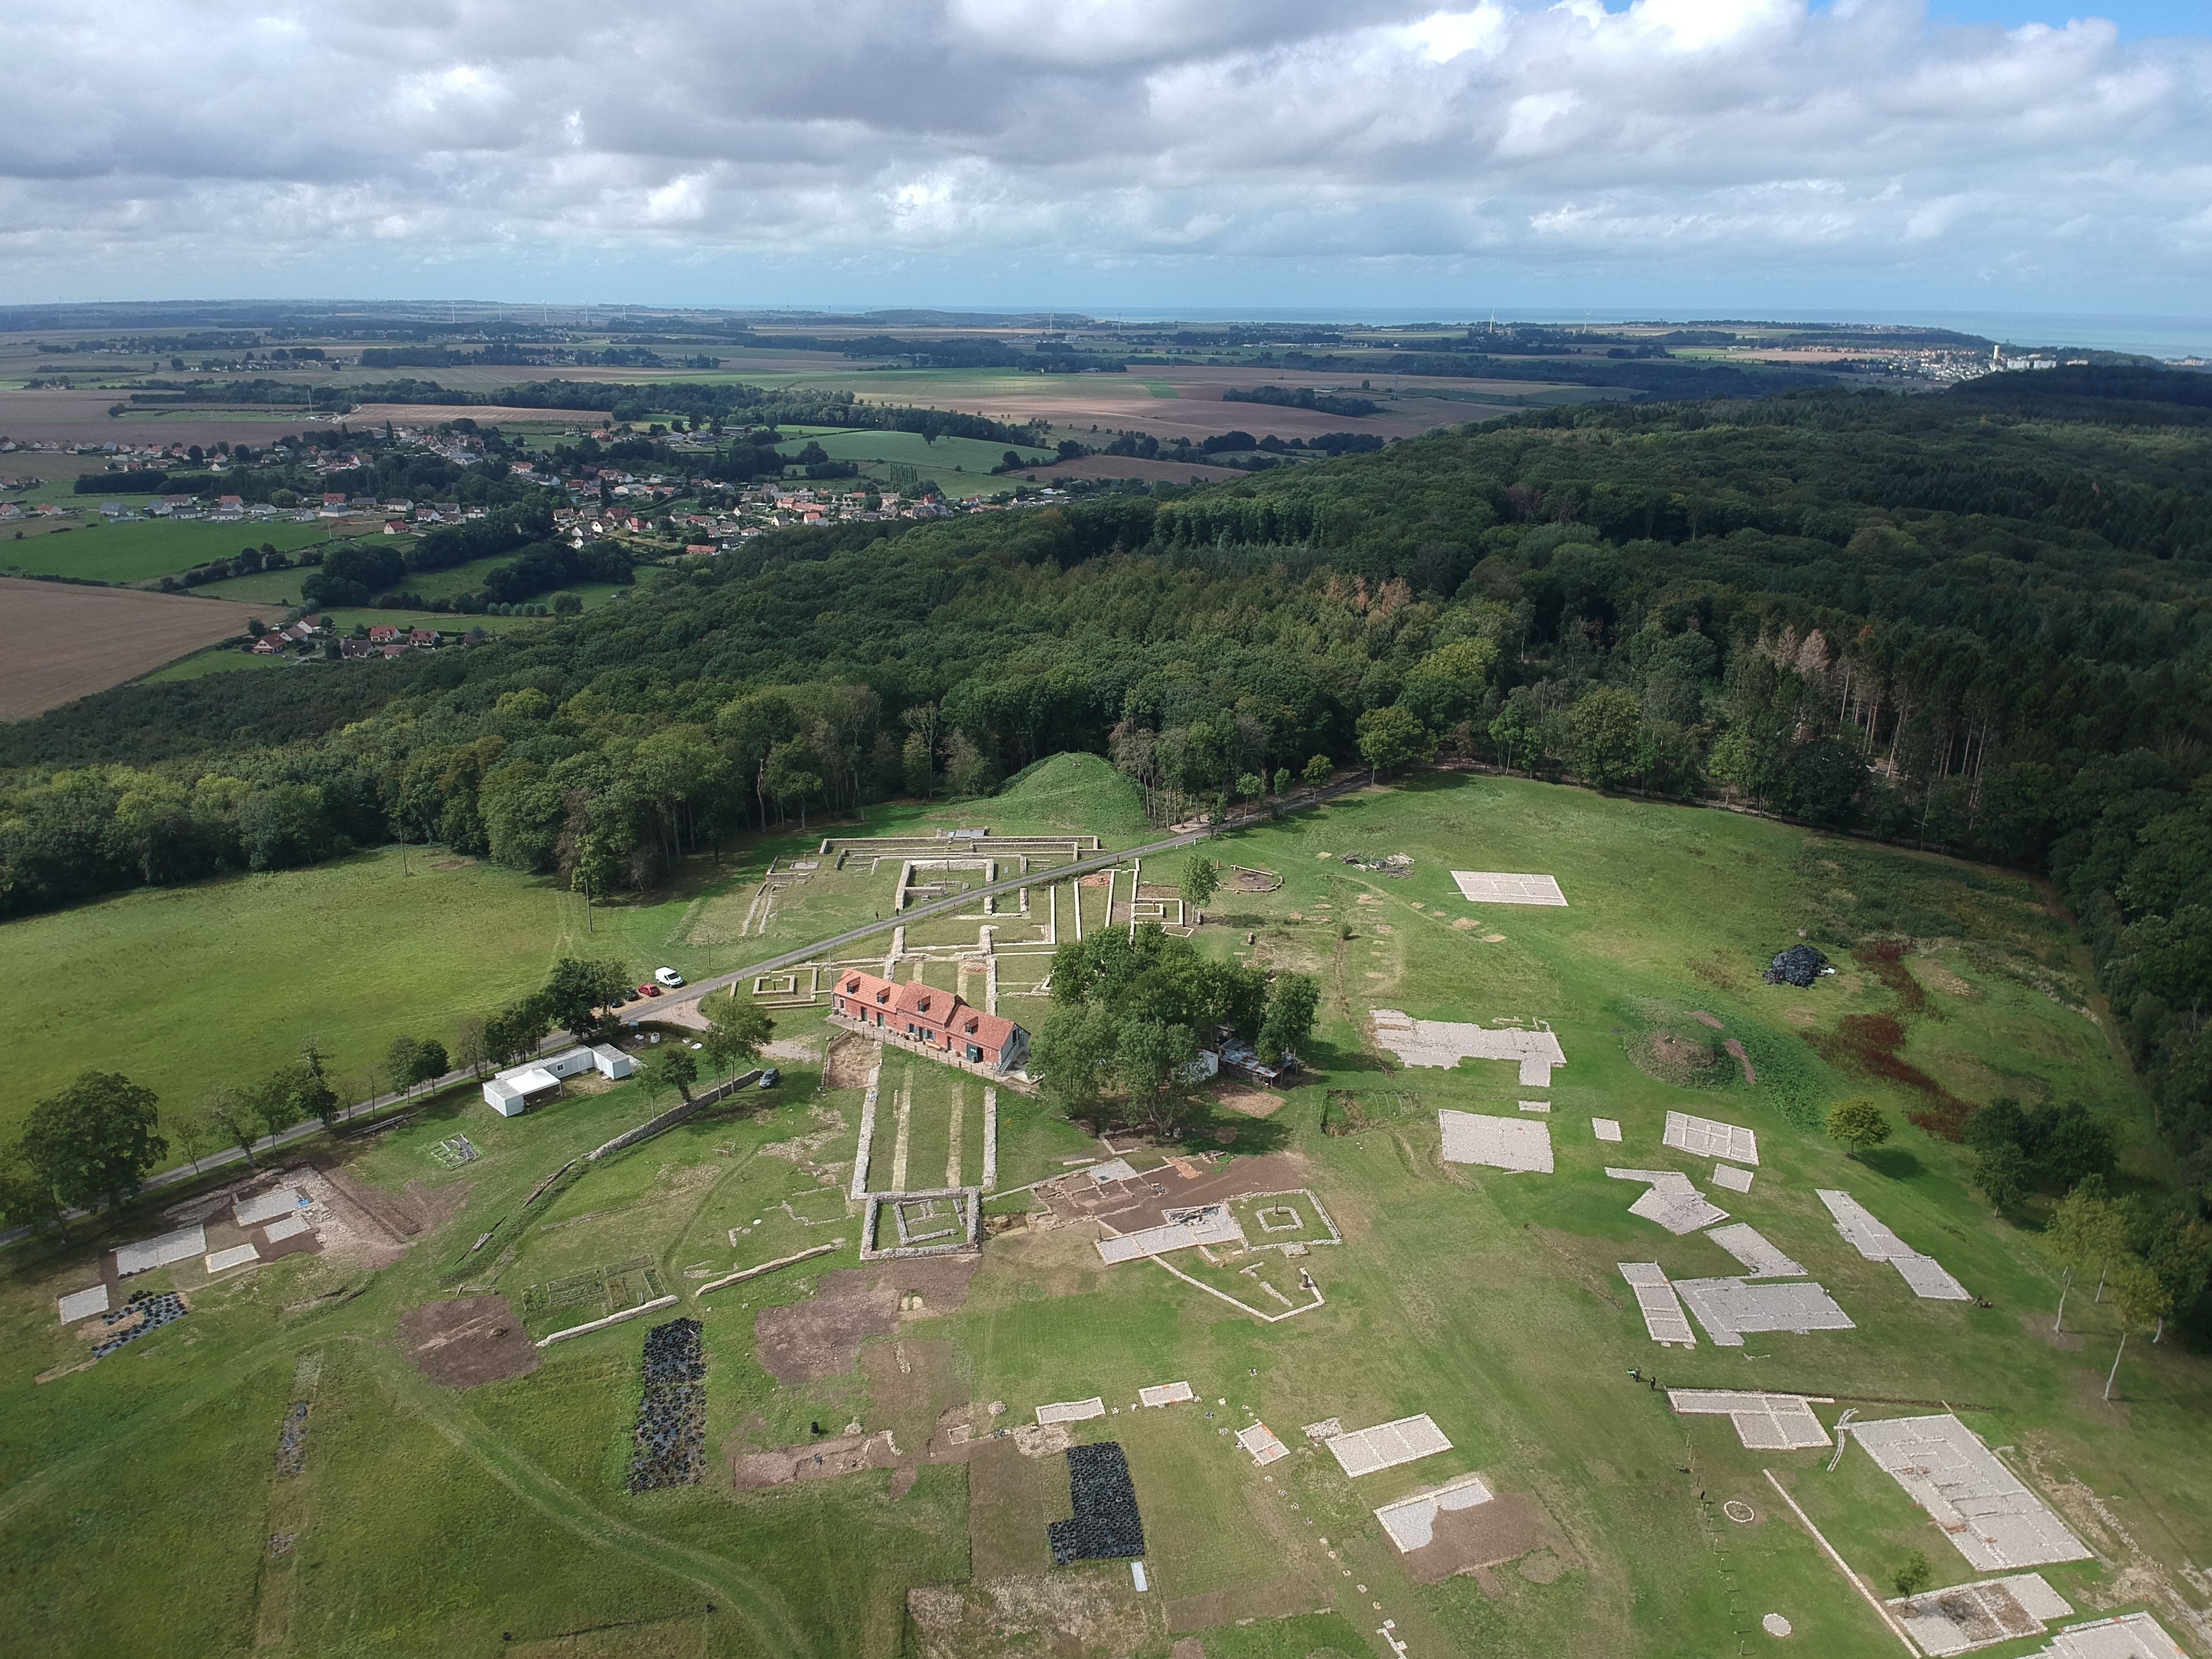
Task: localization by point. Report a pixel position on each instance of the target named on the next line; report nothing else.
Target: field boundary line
(1842, 1566)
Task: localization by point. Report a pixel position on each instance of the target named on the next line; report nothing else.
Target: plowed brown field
(59, 642)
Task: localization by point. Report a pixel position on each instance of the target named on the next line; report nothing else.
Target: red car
(648, 990)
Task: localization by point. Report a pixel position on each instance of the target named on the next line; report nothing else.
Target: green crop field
(203, 663)
(140, 552)
(945, 456)
(144, 1514)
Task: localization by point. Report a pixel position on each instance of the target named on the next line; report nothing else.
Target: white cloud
(981, 146)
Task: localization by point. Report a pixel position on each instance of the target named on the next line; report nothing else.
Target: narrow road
(655, 1008)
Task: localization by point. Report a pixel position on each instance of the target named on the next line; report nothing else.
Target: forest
(1974, 620)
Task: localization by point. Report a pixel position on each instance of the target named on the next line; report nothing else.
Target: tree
(431, 1061)
(1282, 782)
(2181, 1256)
(1913, 1575)
(789, 777)
(190, 1131)
(96, 1140)
(1071, 1058)
(2084, 1228)
(1858, 1123)
(1250, 785)
(737, 1030)
(2141, 1300)
(673, 1067)
(1201, 880)
(469, 1049)
(227, 1112)
(2001, 1174)
(1391, 739)
(1604, 727)
(1150, 1058)
(578, 996)
(399, 1058)
(1292, 1005)
(1317, 771)
(274, 1103)
(512, 1034)
(916, 767)
(1510, 730)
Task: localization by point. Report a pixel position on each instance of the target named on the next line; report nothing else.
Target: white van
(668, 977)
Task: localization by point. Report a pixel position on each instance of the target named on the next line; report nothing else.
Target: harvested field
(477, 1339)
(808, 1341)
(59, 642)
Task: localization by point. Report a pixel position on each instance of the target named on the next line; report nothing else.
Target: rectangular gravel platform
(1501, 1143)
(1495, 887)
(265, 1206)
(1072, 1411)
(1965, 1617)
(1387, 1445)
(1166, 1394)
(1673, 1201)
(290, 1226)
(236, 1257)
(1764, 1422)
(1990, 1516)
(1729, 1308)
(1876, 1242)
(2130, 1636)
(1445, 1044)
(1662, 1311)
(1702, 1137)
(1211, 1223)
(148, 1254)
(1410, 1523)
(1749, 1246)
(1727, 1176)
(1260, 1440)
(82, 1304)
(1605, 1128)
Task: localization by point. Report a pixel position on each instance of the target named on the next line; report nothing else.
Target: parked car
(648, 990)
(668, 977)
(771, 1078)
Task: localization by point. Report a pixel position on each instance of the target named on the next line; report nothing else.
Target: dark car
(771, 1078)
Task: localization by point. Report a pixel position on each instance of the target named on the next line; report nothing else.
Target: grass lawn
(140, 552)
(283, 587)
(203, 663)
(432, 1519)
(199, 986)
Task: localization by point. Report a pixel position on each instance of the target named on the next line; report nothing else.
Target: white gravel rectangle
(1072, 1411)
(1605, 1128)
(1212, 1224)
(1446, 1042)
(1727, 1176)
(1945, 1622)
(236, 1257)
(1495, 887)
(1410, 1522)
(265, 1206)
(1929, 1280)
(1702, 1137)
(1536, 1105)
(1991, 1517)
(2130, 1636)
(1764, 1422)
(148, 1254)
(1749, 1246)
(1663, 1318)
(1385, 1446)
(83, 1305)
(1730, 1308)
(1166, 1394)
(1923, 1274)
(1260, 1440)
(290, 1227)
(1501, 1143)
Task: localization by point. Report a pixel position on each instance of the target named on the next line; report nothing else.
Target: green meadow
(140, 552)
(945, 457)
(139, 1499)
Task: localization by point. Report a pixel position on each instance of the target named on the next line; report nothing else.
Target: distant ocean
(2152, 337)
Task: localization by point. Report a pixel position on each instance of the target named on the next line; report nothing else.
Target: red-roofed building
(935, 1019)
(383, 633)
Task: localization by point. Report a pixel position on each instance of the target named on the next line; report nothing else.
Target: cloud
(976, 147)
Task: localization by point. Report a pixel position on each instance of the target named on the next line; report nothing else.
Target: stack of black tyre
(1106, 1525)
(669, 1447)
(1799, 965)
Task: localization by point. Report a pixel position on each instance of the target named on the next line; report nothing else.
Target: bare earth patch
(1670, 1058)
(473, 1340)
(59, 642)
(1249, 1102)
(1735, 1051)
(851, 1059)
(822, 1337)
(1472, 1541)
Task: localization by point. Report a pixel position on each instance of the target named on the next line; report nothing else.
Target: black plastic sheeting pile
(1799, 965)
(671, 1444)
(154, 1310)
(1106, 1525)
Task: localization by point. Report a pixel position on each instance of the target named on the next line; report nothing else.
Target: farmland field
(59, 642)
(946, 455)
(140, 552)
(439, 1517)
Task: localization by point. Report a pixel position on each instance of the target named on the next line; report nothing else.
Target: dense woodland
(1976, 621)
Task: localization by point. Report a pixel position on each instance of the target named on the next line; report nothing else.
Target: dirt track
(59, 642)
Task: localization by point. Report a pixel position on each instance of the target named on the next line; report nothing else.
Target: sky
(1712, 157)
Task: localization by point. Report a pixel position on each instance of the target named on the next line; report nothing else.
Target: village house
(936, 1019)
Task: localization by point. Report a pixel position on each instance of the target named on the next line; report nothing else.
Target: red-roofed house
(934, 1018)
(383, 633)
